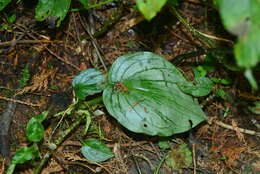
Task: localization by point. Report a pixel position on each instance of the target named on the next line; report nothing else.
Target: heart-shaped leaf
(34, 128)
(88, 82)
(144, 96)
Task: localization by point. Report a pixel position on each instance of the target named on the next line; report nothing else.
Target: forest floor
(51, 57)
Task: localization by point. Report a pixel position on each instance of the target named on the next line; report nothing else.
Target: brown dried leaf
(40, 81)
(70, 156)
(240, 136)
(232, 153)
(53, 167)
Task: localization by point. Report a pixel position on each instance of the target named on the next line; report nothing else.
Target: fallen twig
(61, 59)
(8, 43)
(246, 131)
(194, 159)
(19, 101)
(58, 142)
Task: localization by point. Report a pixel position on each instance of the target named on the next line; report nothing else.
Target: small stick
(246, 131)
(61, 59)
(19, 101)
(57, 143)
(8, 43)
(194, 159)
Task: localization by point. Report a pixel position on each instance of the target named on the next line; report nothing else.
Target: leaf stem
(58, 142)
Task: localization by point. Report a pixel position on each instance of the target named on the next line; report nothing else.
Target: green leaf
(52, 8)
(11, 19)
(179, 158)
(222, 94)
(95, 151)
(88, 82)
(149, 8)
(164, 144)
(25, 154)
(247, 49)
(4, 3)
(143, 95)
(34, 128)
(202, 87)
(235, 14)
(241, 18)
(220, 81)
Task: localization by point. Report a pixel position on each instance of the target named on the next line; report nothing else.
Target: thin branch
(19, 101)
(8, 43)
(246, 131)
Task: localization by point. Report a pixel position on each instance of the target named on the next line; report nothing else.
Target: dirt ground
(55, 55)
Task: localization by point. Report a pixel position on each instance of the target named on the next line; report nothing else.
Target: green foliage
(222, 94)
(25, 154)
(4, 3)
(149, 8)
(241, 18)
(95, 151)
(22, 155)
(202, 87)
(144, 96)
(25, 77)
(143, 93)
(164, 144)
(34, 133)
(56, 9)
(179, 158)
(34, 128)
(88, 82)
(11, 19)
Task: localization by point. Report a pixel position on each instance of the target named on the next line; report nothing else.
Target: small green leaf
(88, 82)
(164, 144)
(179, 158)
(4, 3)
(202, 87)
(143, 94)
(11, 19)
(25, 154)
(52, 8)
(34, 128)
(149, 8)
(222, 94)
(95, 151)
(220, 81)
